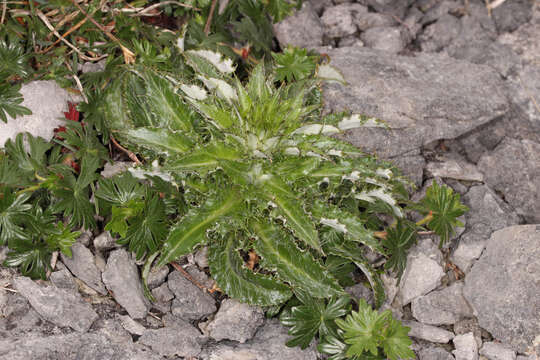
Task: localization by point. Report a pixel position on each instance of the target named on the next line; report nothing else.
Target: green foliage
(398, 241)
(368, 334)
(10, 98)
(294, 64)
(443, 208)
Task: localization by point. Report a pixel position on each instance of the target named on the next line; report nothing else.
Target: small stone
(390, 39)
(235, 321)
(59, 306)
(156, 277)
(339, 21)
(121, 276)
(497, 351)
(63, 280)
(468, 325)
(411, 166)
(131, 325)
(163, 296)
(3, 253)
(105, 241)
(83, 266)
(434, 353)
(360, 291)
(201, 257)
(85, 238)
(118, 167)
(511, 14)
(422, 274)
(177, 338)
(350, 40)
(302, 29)
(320, 5)
(190, 302)
(445, 306)
(438, 35)
(3, 302)
(428, 332)
(454, 169)
(368, 20)
(466, 347)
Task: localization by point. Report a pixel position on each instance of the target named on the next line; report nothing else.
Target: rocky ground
(460, 91)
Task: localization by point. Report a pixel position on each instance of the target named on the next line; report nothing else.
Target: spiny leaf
(398, 241)
(239, 282)
(314, 317)
(280, 253)
(191, 229)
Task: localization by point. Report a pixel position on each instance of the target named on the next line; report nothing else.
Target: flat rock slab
(514, 170)
(422, 98)
(434, 353)
(235, 321)
(47, 101)
(428, 332)
(59, 306)
(122, 278)
(466, 347)
(503, 286)
(82, 265)
(90, 346)
(190, 302)
(302, 29)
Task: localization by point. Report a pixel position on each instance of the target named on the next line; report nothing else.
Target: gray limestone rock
(434, 353)
(487, 213)
(59, 306)
(411, 165)
(74, 346)
(368, 20)
(47, 101)
(513, 169)
(434, 10)
(235, 321)
(121, 276)
(360, 291)
(440, 34)
(105, 241)
(201, 257)
(157, 276)
(466, 347)
(132, 326)
(390, 39)
(163, 296)
(178, 337)
(454, 169)
(82, 265)
(302, 29)
(190, 302)
(118, 167)
(320, 5)
(511, 14)
(468, 325)
(338, 21)
(419, 101)
(442, 307)
(350, 40)
(395, 8)
(423, 272)
(62, 279)
(503, 286)
(497, 351)
(268, 344)
(428, 332)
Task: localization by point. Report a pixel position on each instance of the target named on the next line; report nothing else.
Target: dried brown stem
(210, 16)
(190, 278)
(130, 154)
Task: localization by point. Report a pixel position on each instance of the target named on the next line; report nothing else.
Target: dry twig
(210, 16)
(131, 155)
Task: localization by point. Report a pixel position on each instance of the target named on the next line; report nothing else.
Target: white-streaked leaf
(222, 63)
(223, 89)
(380, 194)
(358, 121)
(315, 129)
(194, 91)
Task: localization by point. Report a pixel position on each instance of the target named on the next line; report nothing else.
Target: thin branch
(210, 16)
(190, 278)
(4, 8)
(80, 87)
(8, 289)
(131, 155)
(141, 12)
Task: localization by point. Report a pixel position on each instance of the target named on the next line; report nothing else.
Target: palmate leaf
(396, 343)
(147, 230)
(28, 161)
(363, 330)
(293, 64)
(13, 209)
(313, 317)
(239, 282)
(398, 241)
(120, 190)
(337, 350)
(340, 269)
(279, 253)
(445, 207)
(10, 98)
(31, 256)
(191, 229)
(279, 9)
(74, 196)
(13, 60)
(62, 238)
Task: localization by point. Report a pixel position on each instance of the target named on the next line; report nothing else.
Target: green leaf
(398, 241)
(10, 98)
(353, 252)
(340, 269)
(191, 229)
(13, 61)
(13, 208)
(363, 330)
(32, 161)
(277, 191)
(32, 257)
(293, 64)
(279, 9)
(333, 346)
(161, 141)
(445, 207)
(120, 189)
(239, 282)
(280, 253)
(74, 196)
(396, 343)
(62, 239)
(314, 317)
